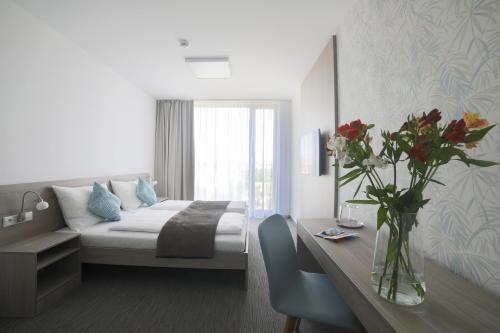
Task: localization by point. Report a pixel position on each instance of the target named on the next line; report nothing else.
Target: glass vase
(398, 261)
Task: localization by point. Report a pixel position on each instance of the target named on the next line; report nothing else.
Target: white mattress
(99, 235)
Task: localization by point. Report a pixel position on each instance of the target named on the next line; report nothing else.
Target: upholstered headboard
(46, 220)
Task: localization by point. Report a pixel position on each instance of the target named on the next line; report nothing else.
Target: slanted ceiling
(271, 44)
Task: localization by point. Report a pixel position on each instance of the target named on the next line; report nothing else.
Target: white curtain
(238, 149)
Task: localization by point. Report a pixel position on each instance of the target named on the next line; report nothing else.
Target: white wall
(63, 114)
(295, 158)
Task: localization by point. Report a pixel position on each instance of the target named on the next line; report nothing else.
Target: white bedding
(233, 206)
(151, 220)
(100, 235)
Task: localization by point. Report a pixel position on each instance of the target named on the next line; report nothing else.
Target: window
(234, 153)
(263, 161)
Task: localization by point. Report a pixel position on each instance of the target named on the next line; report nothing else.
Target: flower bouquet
(423, 144)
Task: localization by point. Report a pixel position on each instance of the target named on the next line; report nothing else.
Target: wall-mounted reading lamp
(25, 216)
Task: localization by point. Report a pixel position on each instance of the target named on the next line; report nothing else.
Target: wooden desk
(451, 303)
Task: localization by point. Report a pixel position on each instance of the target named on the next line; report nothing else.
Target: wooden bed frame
(52, 219)
(142, 257)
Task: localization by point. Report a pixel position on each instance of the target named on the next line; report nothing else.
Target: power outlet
(8, 221)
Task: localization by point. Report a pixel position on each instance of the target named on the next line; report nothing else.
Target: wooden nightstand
(38, 271)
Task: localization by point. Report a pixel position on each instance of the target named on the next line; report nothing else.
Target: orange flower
(474, 120)
(471, 145)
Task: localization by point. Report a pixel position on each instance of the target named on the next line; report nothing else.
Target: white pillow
(73, 202)
(127, 192)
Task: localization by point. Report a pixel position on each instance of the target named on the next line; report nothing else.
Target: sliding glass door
(262, 170)
(234, 153)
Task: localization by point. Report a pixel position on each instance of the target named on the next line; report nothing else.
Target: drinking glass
(350, 216)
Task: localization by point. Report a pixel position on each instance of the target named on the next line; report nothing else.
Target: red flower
(455, 131)
(433, 117)
(394, 136)
(418, 152)
(422, 139)
(342, 130)
(357, 124)
(351, 131)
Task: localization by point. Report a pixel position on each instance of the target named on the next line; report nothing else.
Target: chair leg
(291, 323)
(297, 325)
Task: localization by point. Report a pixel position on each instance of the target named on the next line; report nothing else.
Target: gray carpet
(138, 299)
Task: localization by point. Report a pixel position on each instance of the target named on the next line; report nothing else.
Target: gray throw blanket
(191, 232)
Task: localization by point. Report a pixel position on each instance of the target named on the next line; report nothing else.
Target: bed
(102, 245)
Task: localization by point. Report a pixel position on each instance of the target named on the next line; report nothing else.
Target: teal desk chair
(295, 293)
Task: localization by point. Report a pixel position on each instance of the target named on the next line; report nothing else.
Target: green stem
(395, 271)
(409, 269)
(381, 183)
(394, 171)
(427, 181)
(371, 180)
(413, 177)
(386, 263)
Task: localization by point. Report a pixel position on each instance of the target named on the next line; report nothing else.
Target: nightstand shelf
(46, 259)
(48, 286)
(36, 272)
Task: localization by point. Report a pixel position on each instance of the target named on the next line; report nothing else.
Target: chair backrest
(279, 253)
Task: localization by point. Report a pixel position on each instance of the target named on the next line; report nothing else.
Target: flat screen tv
(310, 153)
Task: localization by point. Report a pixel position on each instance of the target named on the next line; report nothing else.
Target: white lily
(336, 144)
(339, 143)
(375, 161)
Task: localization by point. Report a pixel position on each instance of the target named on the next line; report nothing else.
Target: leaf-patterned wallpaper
(398, 57)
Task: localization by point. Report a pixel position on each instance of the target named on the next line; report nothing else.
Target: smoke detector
(183, 43)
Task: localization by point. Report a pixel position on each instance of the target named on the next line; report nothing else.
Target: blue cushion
(146, 192)
(104, 203)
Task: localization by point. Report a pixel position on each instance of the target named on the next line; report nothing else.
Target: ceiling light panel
(210, 68)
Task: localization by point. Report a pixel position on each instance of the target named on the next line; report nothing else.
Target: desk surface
(451, 305)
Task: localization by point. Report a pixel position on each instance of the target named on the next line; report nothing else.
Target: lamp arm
(24, 195)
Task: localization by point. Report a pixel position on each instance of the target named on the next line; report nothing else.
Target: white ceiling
(271, 43)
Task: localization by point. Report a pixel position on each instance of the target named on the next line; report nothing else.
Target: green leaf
(350, 180)
(477, 135)
(424, 202)
(350, 174)
(350, 165)
(437, 182)
(392, 251)
(372, 191)
(391, 188)
(481, 163)
(364, 202)
(420, 166)
(381, 216)
(445, 154)
(359, 186)
(410, 202)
